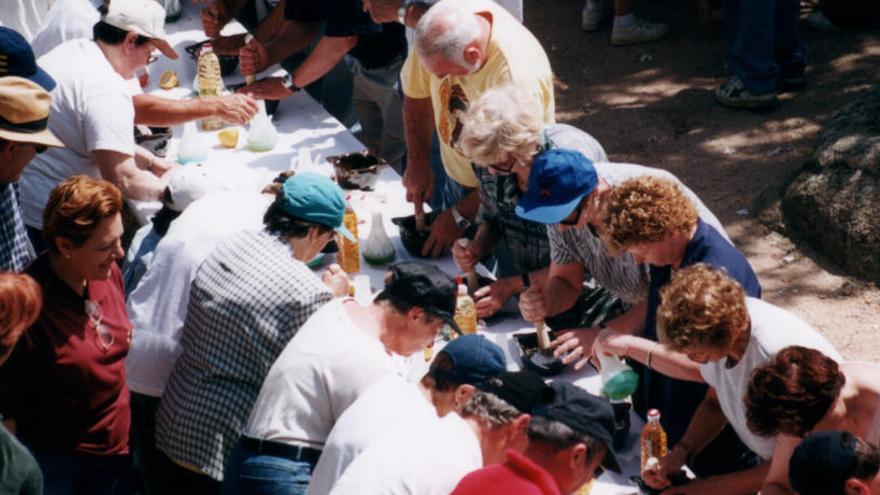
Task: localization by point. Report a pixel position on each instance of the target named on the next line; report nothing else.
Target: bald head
(445, 32)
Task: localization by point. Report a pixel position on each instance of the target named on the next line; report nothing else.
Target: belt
(278, 449)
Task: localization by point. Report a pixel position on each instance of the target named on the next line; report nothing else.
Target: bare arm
(670, 363)
(293, 37)
(327, 53)
(156, 111)
(418, 122)
(564, 285)
(122, 170)
(777, 478)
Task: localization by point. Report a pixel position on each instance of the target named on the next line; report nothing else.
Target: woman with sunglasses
(64, 385)
(503, 133)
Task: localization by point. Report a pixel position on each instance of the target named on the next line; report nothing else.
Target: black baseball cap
(585, 413)
(822, 463)
(17, 59)
(424, 286)
(524, 390)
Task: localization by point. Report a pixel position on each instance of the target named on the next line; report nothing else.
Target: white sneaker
(591, 19)
(640, 31)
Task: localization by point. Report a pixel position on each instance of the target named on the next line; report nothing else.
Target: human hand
(161, 167)
(214, 17)
(419, 182)
(384, 11)
(491, 298)
(253, 58)
(694, 487)
(659, 476)
(336, 279)
(236, 108)
(444, 232)
(612, 343)
(270, 88)
(531, 305)
(573, 346)
(465, 256)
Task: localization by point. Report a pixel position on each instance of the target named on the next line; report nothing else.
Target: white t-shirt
(425, 459)
(91, 110)
(322, 371)
(67, 20)
(388, 404)
(157, 306)
(773, 329)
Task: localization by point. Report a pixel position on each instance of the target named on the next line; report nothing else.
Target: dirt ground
(653, 105)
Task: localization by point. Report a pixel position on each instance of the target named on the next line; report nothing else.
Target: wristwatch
(287, 82)
(460, 220)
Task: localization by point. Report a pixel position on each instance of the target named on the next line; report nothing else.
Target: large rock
(834, 203)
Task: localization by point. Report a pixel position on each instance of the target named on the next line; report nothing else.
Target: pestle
(419, 216)
(472, 280)
(249, 78)
(540, 328)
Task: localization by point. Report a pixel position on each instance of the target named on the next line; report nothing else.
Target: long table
(307, 136)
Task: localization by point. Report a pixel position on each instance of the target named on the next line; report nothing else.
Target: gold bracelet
(651, 354)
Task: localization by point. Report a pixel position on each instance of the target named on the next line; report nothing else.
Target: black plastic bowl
(358, 170)
(413, 239)
(533, 359)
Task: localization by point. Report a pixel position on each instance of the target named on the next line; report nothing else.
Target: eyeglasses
(598, 472)
(504, 168)
(104, 335)
(153, 58)
(40, 148)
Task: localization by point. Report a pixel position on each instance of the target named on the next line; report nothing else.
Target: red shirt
(517, 475)
(65, 384)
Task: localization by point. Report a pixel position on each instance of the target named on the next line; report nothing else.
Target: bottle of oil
(348, 256)
(210, 83)
(653, 440)
(465, 309)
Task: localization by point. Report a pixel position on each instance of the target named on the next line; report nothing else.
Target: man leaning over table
(569, 444)
(445, 388)
(251, 295)
(338, 354)
(432, 457)
(377, 52)
(92, 111)
(462, 48)
(24, 111)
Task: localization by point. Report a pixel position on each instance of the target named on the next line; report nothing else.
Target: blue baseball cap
(474, 359)
(558, 181)
(317, 199)
(17, 59)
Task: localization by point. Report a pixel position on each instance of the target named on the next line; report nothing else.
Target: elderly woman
(502, 134)
(802, 390)
(20, 303)
(64, 386)
(706, 316)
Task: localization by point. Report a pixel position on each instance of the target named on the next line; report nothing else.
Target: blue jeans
(71, 473)
(763, 42)
(261, 474)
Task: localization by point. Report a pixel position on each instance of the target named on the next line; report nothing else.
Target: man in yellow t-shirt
(462, 48)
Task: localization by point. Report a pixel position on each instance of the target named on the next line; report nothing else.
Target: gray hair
(560, 436)
(490, 409)
(503, 123)
(445, 31)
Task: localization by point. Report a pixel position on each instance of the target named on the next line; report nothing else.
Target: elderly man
(242, 312)
(92, 112)
(25, 109)
(503, 135)
(569, 443)
(342, 350)
(73, 19)
(462, 48)
(432, 457)
(835, 463)
(446, 387)
(377, 53)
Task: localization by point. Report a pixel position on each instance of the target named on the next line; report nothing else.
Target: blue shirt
(677, 400)
(15, 247)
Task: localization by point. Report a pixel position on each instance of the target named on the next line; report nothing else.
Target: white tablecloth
(303, 124)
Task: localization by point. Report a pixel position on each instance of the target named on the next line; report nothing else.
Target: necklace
(104, 335)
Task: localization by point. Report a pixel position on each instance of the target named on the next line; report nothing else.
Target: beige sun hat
(144, 17)
(24, 112)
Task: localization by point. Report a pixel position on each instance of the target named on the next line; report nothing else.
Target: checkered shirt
(15, 247)
(249, 298)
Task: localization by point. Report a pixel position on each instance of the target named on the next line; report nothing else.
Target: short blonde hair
(700, 307)
(646, 209)
(504, 123)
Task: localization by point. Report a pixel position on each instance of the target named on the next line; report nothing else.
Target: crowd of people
(210, 358)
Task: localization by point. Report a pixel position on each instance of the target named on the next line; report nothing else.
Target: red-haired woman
(20, 304)
(64, 385)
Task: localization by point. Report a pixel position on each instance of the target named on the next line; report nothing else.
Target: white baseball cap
(144, 17)
(190, 183)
